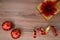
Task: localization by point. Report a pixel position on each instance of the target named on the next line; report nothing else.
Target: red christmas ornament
(16, 33)
(7, 25)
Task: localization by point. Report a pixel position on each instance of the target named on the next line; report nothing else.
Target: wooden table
(24, 15)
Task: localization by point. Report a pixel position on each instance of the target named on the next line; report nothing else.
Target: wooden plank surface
(24, 15)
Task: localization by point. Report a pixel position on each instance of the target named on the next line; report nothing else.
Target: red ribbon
(34, 34)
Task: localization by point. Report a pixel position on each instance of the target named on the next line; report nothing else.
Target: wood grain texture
(24, 15)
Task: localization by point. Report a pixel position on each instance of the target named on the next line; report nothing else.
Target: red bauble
(16, 33)
(7, 25)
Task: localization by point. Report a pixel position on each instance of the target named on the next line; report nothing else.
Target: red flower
(48, 8)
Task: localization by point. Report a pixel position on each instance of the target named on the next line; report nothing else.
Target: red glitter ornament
(16, 33)
(7, 25)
